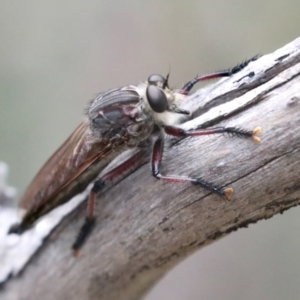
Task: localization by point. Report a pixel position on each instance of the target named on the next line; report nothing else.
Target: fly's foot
(255, 132)
(227, 193)
(84, 233)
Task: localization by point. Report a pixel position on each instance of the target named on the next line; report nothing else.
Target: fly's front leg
(156, 163)
(225, 73)
(120, 171)
(233, 131)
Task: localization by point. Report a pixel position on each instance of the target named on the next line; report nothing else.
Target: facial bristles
(255, 132)
(227, 193)
(178, 110)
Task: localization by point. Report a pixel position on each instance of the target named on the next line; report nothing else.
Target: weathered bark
(146, 226)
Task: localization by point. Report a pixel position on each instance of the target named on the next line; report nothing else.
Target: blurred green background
(55, 55)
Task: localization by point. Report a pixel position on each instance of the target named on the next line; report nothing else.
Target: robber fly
(116, 120)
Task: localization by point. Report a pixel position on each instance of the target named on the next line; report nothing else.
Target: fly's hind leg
(114, 174)
(90, 221)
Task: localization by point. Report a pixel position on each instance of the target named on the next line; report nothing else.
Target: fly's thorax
(116, 118)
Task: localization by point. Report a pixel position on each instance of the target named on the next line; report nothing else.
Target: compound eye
(156, 98)
(153, 79)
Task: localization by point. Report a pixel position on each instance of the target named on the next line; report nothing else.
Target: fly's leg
(118, 172)
(90, 221)
(175, 131)
(156, 163)
(233, 131)
(224, 73)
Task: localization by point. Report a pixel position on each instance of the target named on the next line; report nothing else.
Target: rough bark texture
(146, 226)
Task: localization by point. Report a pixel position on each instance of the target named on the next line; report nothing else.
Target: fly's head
(160, 102)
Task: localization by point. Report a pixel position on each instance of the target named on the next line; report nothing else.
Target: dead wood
(146, 226)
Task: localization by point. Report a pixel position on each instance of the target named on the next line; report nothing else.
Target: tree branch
(146, 226)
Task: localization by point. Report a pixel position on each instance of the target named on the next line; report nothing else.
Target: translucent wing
(78, 161)
(74, 156)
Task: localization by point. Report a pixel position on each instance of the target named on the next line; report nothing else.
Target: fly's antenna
(166, 83)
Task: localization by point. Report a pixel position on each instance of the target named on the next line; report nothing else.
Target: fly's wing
(81, 149)
(76, 154)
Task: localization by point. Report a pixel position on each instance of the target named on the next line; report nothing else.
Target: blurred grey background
(55, 55)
